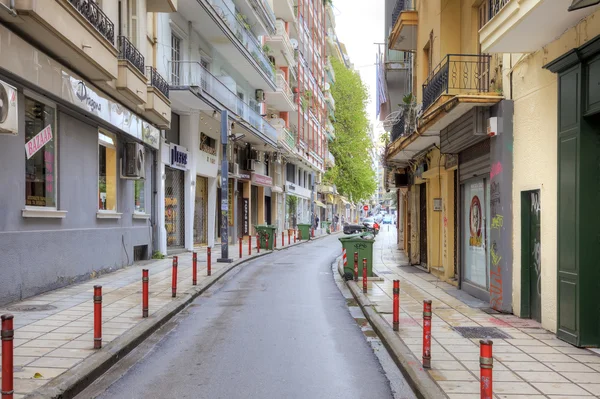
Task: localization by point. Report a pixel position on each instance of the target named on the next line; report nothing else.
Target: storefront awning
(320, 204)
(330, 198)
(344, 200)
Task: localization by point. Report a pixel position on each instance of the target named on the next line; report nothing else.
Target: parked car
(388, 219)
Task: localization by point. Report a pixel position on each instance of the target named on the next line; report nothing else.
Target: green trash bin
(363, 244)
(266, 234)
(304, 230)
(326, 226)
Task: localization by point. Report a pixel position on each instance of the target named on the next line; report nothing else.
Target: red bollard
(295, 236)
(145, 280)
(427, 334)
(174, 277)
(312, 232)
(208, 261)
(356, 266)
(249, 244)
(194, 268)
(282, 239)
(257, 244)
(289, 237)
(241, 239)
(97, 316)
(300, 235)
(364, 275)
(486, 364)
(396, 306)
(8, 334)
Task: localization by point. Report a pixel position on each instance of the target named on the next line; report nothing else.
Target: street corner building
(493, 115)
(136, 128)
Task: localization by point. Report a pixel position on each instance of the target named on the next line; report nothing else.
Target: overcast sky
(359, 24)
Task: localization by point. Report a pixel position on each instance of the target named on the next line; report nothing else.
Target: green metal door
(535, 264)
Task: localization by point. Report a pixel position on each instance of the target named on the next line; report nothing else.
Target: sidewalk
(54, 331)
(529, 363)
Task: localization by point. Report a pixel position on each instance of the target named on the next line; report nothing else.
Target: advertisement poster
(474, 210)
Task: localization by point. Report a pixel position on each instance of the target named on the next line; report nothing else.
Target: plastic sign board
(38, 141)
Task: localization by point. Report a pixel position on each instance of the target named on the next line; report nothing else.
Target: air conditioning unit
(260, 95)
(236, 169)
(135, 161)
(8, 109)
(250, 164)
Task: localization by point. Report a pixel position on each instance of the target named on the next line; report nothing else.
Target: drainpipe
(11, 8)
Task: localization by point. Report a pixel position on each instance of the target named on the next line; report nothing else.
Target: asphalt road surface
(277, 327)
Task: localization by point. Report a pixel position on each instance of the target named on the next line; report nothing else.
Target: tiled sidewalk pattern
(48, 343)
(532, 364)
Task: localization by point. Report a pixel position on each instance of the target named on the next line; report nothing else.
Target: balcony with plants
(282, 99)
(279, 46)
(525, 26)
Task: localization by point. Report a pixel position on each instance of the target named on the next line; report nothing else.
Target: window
(290, 172)
(140, 196)
(107, 171)
(40, 151)
(175, 60)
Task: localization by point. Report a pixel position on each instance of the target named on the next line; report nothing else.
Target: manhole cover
(30, 308)
(482, 332)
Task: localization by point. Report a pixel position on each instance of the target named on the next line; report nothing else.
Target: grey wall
(501, 231)
(37, 254)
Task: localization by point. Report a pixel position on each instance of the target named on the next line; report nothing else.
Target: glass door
(476, 216)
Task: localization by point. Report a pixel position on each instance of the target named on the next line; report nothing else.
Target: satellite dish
(294, 43)
(327, 86)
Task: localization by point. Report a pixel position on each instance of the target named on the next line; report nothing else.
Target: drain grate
(482, 332)
(30, 308)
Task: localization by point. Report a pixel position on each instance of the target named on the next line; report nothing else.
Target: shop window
(140, 196)
(107, 171)
(40, 152)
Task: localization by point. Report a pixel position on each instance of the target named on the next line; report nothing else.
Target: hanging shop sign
(8, 109)
(179, 157)
(38, 141)
(230, 199)
(244, 175)
(262, 179)
(246, 217)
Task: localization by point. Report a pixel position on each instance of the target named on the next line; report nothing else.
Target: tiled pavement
(532, 364)
(47, 343)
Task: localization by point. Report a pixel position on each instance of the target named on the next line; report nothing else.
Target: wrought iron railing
(457, 73)
(244, 35)
(495, 6)
(398, 129)
(127, 51)
(402, 5)
(193, 75)
(157, 81)
(93, 13)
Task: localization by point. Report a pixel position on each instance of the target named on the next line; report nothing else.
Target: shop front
(303, 195)
(175, 168)
(81, 190)
(206, 169)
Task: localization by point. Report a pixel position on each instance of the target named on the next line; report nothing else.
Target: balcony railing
(244, 35)
(330, 158)
(402, 5)
(495, 6)
(127, 51)
(268, 12)
(93, 13)
(396, 56)
(193, 74)
(280, 31)
(457, 73)
(398, 129)
(284, 85)
(157, 81)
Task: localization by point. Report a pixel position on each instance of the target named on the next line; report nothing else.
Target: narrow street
(277, 328)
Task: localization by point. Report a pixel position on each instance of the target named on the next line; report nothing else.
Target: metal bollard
(257, 244)
(289, 237)
(356, 266)
(396, 303)
(97, 316)
(365, 275)
(344, 258)
(241, 240)
(7, 334)
(427, 334)
(208, 261)
(295, 236)
(282, 239)
(174, 277)
(145, 280)
(274, 241)
(194, 268)
(249, 244)
(312, 232)
(486, 365)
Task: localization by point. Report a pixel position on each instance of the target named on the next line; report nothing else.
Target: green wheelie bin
(325, 225)
(304, 230)
(266, 234)
(363, 244)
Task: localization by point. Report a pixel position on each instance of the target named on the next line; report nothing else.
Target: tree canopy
(353, 173)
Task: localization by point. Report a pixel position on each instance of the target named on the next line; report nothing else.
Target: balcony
(282, 99)
(330, 160)
(232, 37)
(329, 100)
(330, 130)
(158, 105)
(458, 84)
(75, 31)
(258, 14)
(404, 31)
(285, 9)
(165, 6)
(280, 46)
(525, 26)
(397, 60)
(398, 129)
(131, 82)
(192, 88)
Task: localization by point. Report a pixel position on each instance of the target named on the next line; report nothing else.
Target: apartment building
(81, 94)
(500, 161)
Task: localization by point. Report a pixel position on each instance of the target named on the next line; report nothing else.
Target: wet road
(278, 327)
